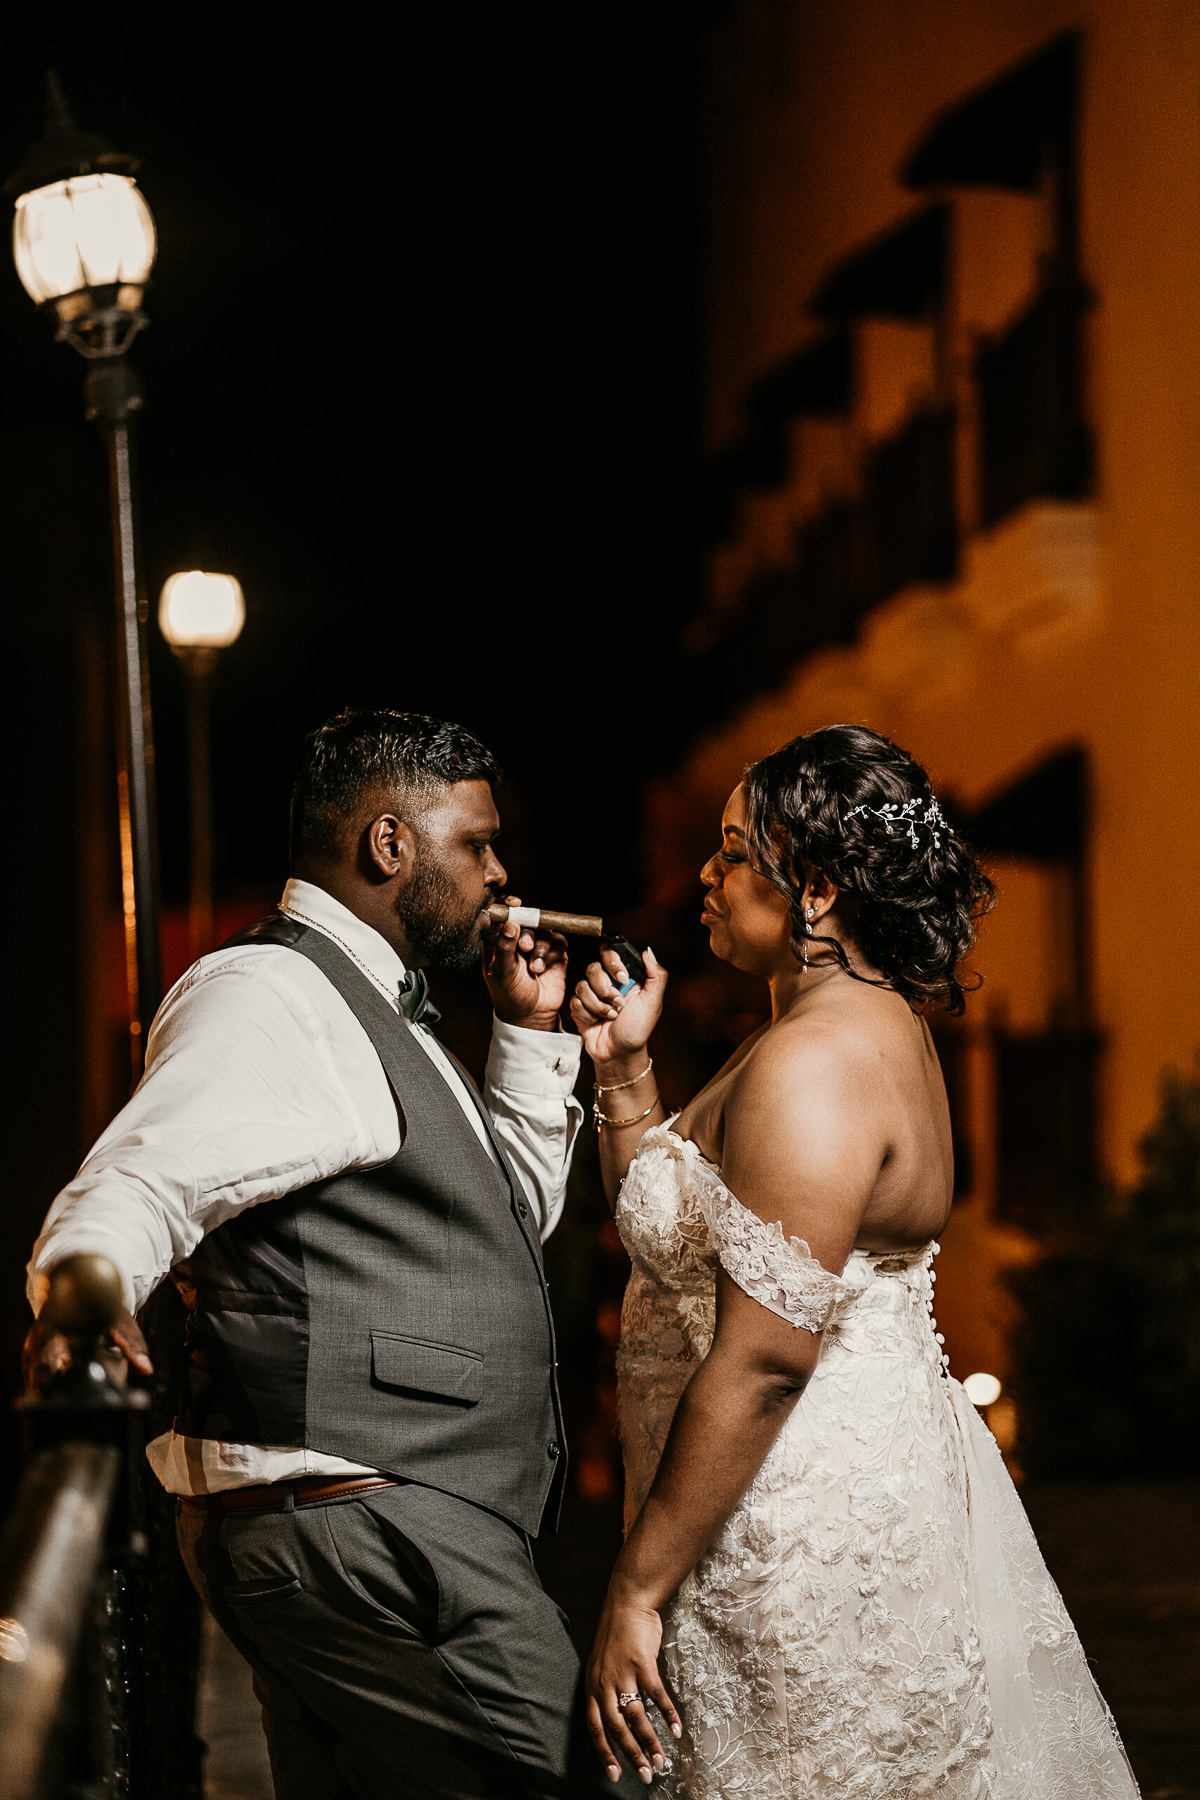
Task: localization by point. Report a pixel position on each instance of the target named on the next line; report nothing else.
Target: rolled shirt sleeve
(529, 1093)
(246, 1097)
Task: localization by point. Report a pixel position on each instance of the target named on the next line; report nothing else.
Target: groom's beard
(443, 928)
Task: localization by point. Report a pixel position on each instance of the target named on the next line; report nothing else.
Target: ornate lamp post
(200, 615)
(84, 244)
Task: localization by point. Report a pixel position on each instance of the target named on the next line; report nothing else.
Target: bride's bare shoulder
(718, 1083)
(829, 1054)
(802, 1122)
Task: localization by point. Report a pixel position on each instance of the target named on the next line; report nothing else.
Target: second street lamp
(200, 615)
(84, 244)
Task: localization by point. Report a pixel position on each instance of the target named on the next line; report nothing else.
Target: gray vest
(395, 1316)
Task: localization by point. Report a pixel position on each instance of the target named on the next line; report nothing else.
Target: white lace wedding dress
(875, 1622)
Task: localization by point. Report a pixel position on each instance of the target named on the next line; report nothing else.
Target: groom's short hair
(361, 751)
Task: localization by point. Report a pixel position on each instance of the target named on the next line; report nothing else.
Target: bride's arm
(798, 1149)
(616, 1035)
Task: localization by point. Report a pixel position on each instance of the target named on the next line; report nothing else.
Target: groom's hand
(47, 1353)
(526, 974)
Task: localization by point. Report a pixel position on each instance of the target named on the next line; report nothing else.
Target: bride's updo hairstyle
(851, 804)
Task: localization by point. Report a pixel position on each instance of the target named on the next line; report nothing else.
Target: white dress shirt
(260, 1080)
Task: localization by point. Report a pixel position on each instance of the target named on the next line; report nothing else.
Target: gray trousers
(403, 1648)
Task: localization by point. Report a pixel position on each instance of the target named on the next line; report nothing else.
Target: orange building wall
(813, 107)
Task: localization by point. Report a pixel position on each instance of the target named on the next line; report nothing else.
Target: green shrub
(1107, 1363)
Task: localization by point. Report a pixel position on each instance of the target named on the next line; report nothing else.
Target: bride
(825, 1556)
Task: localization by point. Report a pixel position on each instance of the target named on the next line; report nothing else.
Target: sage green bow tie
(415, 1003)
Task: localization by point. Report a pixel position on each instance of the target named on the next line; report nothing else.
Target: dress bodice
(679, 1222)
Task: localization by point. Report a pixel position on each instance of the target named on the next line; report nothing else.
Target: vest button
(522, 1208)
(553, 1452)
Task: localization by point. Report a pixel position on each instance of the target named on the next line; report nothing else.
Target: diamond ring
(624, 1700)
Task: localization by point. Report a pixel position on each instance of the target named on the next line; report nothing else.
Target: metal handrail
(50, 1557)
(70, 1518)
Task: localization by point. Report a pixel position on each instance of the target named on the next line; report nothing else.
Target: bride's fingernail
(646, 1774)
(614, 1774)
(677, 1729)
(660, 1763)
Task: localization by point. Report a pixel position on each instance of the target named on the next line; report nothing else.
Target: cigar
(575, 924)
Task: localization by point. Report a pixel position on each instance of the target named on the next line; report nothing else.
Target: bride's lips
(708, 917)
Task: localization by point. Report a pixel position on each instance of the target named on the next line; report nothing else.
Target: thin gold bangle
(600, 1118)
(618, 1085)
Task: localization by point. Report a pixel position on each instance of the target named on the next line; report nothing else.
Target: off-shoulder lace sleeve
(781, 1273)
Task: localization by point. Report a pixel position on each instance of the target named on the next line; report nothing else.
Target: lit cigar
(530, 917)
(573, 925)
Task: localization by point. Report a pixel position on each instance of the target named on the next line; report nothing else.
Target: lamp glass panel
(90, 231)
(207, 611)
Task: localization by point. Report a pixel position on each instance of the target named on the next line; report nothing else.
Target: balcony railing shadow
(1035, 442)
(900, 529)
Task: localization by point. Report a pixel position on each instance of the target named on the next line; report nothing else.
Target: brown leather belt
(310, 1490)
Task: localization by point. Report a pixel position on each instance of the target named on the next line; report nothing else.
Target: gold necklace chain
(294, 912)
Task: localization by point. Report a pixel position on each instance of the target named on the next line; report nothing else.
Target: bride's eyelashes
(728, 856)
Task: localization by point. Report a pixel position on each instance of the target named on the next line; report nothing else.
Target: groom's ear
(388, 849)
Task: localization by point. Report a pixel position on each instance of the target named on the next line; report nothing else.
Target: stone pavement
(1127, 1558)
(229, 1722)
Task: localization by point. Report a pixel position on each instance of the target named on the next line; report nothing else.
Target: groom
(371, 1431)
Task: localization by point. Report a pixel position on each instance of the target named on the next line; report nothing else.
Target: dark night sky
(420, 373)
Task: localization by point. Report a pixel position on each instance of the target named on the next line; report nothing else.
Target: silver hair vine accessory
(909, 817)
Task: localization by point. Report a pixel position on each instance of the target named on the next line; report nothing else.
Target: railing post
(73, 1523)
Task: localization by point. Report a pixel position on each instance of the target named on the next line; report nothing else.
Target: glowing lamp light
(89, 231)
(981, 1389)
(84, 246)
(199, 611)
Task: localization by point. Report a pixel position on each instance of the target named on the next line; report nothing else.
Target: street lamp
(84, 244)
(200, 615)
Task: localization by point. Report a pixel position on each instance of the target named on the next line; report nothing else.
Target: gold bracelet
(618, 1085)
(599, 1118)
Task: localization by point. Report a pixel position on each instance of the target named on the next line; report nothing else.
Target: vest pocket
(428, 1368)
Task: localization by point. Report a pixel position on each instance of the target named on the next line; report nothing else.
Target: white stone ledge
(1036, 577)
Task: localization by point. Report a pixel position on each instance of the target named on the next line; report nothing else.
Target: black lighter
(635, 968)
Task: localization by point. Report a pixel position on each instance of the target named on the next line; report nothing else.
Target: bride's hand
(616, 1026)
(624, 1661)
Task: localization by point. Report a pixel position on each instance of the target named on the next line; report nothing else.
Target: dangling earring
(808, 913)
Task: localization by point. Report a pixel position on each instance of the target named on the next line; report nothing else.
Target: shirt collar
(338, 922)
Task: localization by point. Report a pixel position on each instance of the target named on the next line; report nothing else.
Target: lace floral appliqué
(780, 1272)
(875, 1621)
